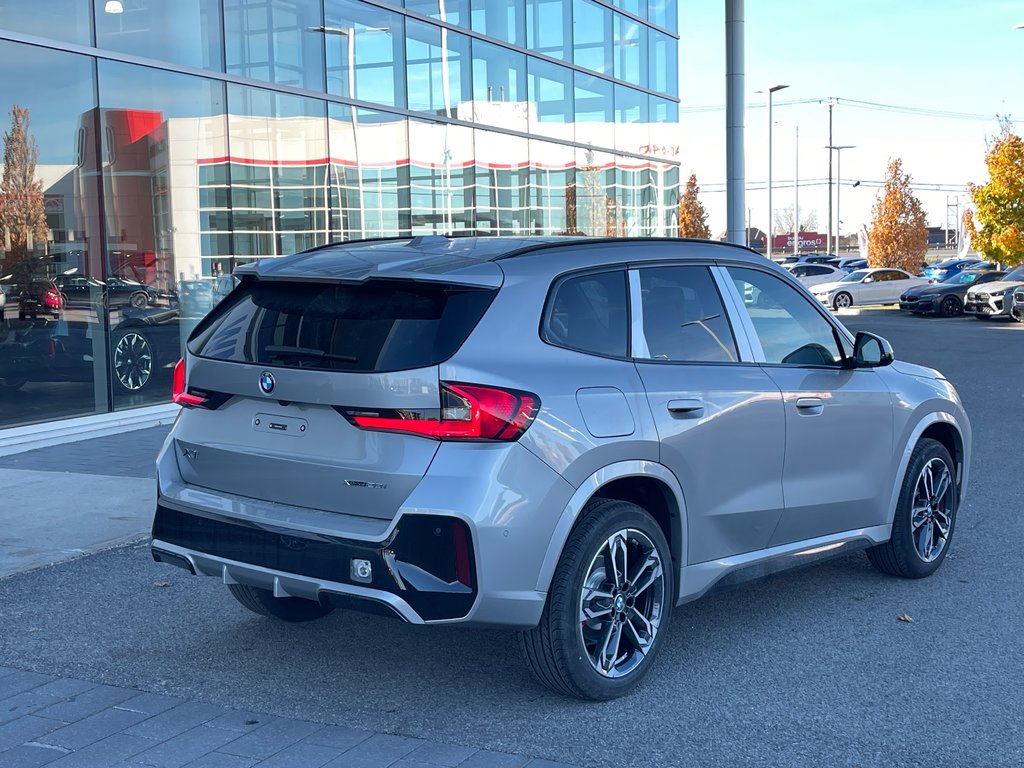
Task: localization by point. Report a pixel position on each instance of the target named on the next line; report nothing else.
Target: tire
(263, 602)
(133, 361)
(842, 300)
(11, 385)
(914, 553)
(951, 306)
(563, 652)
(139, 300)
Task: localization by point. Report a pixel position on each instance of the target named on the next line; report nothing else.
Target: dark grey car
(564, 436)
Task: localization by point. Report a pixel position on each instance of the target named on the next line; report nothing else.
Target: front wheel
(842, 301)
(133, 361)
(609, 604)
(263, 602)
(922, 527)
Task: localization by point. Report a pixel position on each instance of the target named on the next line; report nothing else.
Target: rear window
(380, 325)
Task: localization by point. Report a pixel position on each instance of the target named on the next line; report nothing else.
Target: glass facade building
(151, 146)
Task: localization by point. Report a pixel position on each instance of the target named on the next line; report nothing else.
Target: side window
(800, 271)
(589, 313)
(790, 329)
(817, 271)
(683, 317)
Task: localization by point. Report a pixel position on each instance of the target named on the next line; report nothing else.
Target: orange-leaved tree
(1000, 203)
(693, 219)
(898, 236)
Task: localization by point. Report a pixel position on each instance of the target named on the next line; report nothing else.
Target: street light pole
(771, 220)
(796, 196)
(839, 176)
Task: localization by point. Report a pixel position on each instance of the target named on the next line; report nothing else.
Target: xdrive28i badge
(266, 382)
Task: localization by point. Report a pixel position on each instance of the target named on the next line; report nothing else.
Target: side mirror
(869, 279)
(870, 351)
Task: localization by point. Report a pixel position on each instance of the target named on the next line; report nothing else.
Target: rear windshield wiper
(278, 352)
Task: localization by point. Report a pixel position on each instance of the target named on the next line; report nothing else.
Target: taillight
(178, 393)
(467, 412)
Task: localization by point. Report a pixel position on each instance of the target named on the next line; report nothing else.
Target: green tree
(22, 212)
(898, 236)
(997, 226)
(693, 219)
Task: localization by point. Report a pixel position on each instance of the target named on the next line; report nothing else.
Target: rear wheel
(608, 606)
(951, 306)
(922, 527)
(263, 602)
(139, 300)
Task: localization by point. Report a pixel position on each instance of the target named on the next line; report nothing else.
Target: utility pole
(838, 150)
(829, 248)
(796, 197)
(771, 219)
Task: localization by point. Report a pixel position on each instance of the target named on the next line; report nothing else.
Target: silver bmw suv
(564, 436)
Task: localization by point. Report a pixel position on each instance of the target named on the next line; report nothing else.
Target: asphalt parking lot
(808, 668)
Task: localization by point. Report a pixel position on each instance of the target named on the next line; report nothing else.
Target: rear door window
(588, 313)
(376, 326)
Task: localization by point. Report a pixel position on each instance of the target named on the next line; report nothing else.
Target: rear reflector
(467, 412)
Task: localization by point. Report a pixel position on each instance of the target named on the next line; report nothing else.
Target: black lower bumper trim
(427, 542)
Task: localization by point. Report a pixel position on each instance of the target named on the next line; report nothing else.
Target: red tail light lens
(178, 393)
(467, 412)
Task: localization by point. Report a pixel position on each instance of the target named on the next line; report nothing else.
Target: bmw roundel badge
(266, 382)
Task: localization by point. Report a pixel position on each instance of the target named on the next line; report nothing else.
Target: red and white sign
(808, 241)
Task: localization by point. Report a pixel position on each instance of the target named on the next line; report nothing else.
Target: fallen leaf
(161, 583)
(906, 618)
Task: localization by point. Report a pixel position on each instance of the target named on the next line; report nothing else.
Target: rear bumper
(504, 498)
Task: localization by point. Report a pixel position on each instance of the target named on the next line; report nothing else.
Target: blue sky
(945, 55)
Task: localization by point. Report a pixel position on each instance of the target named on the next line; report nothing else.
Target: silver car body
(992, 299)
(748, 466)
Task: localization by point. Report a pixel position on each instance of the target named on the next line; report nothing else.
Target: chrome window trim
(637, 341)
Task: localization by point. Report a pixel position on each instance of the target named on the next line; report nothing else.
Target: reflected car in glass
(866, 287)
(946, 298)
(564, 436)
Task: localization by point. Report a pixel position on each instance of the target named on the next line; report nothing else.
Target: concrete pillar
(734, 95)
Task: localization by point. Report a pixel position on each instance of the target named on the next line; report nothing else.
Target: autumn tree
(22, 213)
(898, 236)
(693, 219)
(784, 220)
(997, 226)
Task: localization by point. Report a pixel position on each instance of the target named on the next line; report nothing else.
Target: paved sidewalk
(78, 499)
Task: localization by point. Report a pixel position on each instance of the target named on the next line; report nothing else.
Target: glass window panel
(595, 110)
(369, 178)
(499, 86)
(596, 206)
(592, 36)
(552, 188)
(185, 32)
(365, 52)
(215, 197)
(683, 317)
(791, 330)
(590, 313)
(276, 41)
(549, 28)
(551, 108)
(501, 19)
(438, 69)
(452, 11)
(66, 20)
(502, 194)
(249, 197)
(664, 64)
(636, 7)
(51, 262)
(164, 140)
(632, 129)
(441, 177)
(664, 129)
(630, 50)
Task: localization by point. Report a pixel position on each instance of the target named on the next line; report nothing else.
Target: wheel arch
(947, 430)
(646, 483)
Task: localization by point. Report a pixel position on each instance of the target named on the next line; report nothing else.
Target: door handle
(810, 406)
(688, 407)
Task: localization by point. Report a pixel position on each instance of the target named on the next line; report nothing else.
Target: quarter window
(589, 313)
(683, 317)
(790, 329)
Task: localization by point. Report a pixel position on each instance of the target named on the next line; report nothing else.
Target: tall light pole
(734, 160)
(796, 196)
(839, 183)
(771, 219)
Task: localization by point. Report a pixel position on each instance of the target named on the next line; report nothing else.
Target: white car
(815, 274)
(993, 299)
(867, 286)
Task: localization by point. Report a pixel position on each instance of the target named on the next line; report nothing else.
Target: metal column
(734, 159)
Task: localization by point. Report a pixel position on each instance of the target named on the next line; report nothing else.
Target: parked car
(195, 297)
(815, 274)
(806, 258)
(849, 264)
(947, 268)
(946, 298)
(988, 301)
(140, 345)
(37, 298)
(866, 286)
(1017, 305)
(560, 435)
